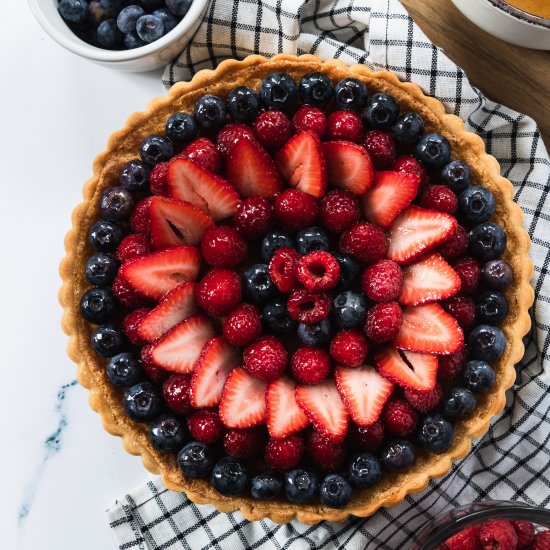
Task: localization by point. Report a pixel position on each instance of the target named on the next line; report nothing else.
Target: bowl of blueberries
(132, 35)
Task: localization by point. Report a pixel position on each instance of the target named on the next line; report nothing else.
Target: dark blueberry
(335, 491)
(143, 402)
(266, 485)
(98, 305)
(149, 28)
(433, 150)
(133, 41)
(105, 236)
(195, 460)
(497, 274)
(487, 241)
(155, 149)
(315, 89)
(275, 318)
(459, 403)
(408, 129)
(491, 308)
(210, 112)
(301, 485)
(382, 111)
(229, 477)
(272, 241)
(348, 309)
(257, 286)
(168, 20)
(73, 11)
(167, 434)
(243, 104)
(278, 91)
(350, 94)
(107, 341)
(479, 376)
(435, 434)
(127, 18)
(486, 343)
(101, 269)
(113, 7)
(312, 238)
(349, 271)
(397, 455)
(456, 175)
(124, 370)
(116, 204)
(364, 470)
(134, 176)
(181, 128)
(150, 5)
(476, 204)
(179, 7)
(108, 35)
(317, 334)
(97, 13)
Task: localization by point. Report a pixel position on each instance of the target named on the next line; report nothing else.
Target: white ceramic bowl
(507, 22)
(146, 58)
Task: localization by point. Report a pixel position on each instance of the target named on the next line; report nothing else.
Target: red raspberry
(318, 270)
(294, 210)
(310, 119)
(339, 210)
(344, 125)
(366, 438)
(231, 133)
(349, 348)
(126, 295)
(399, 417)
(139, 222)
(282, 268)
(204, 153)
(283, 454)
(327, 455)
(273, 129)
(463, 309)
(243, 325)
(525, 531)
(132, 322)
(456, 245)
(158, 179)
(383, 322)
(219, 291)
(497, 534)
(410, 165)
(424, 401)
(469, 271)
(254, 217)
(266, 358)
(381, 148)
(365, 242)
(156, 374)
(439, 198)
(382, 281)
(310, 365)
(223, 246)
(450, 366)
(541, 541)
(246, 443)
(467, 539)
(308, 307)
(177, 393)
(133, 246)
(205, 426)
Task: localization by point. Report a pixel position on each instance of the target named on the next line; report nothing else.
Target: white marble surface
(60, 469)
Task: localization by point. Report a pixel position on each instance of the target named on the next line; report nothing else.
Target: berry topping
(231, 133)
(181, 128)
(463, 309)
(312, 238)
(424, 401)
(315, 89)
(408, 129)
(479, 376)
(105, 236)
(486, 343)
(365, 242)
(459, 403)
(123, 370)
(244, 443)
(254, 217)
(133, 246)
(257, 286)
(339, 209)
(409, 165)
(266, 485)
(382, 111)
(450, 366)
(344, 126)
(156, 374)
(317, 334)
(272, 241)
(525, 530)
(399, 417)
(366, 438)
(266, 358)
(456, 175)
(132, 322)
(435, 434)
(143, 402)
(498, 534)
(310, 119)
(409, 370)
(301, 486)
(383, 322)
(101, 269)
(156, 148)
(349, 271)
(205, 426)
(229, 477)
(364, 470)
(456, 245)
(98, 305)
(326, 454)
(335, 491)
(139, 221)
(439, 198)
(243, 104)
(272, 129)
(350, 94)
(243, 325)
(382, 281)
(283, 416)
(497, 274)
(349, 348)
(167, 434)
(476, 204)
(469, 272)
(308, 307)
(116, 204)
(294, 210)
(433, 150)
(275, 318)
(219, 291)
(487, 241)
(134, 176)
(107, 341)
(278, 91)
(223, 246)
(348, 166)
(195, 460)
(176, 391)
(283, 268)
(381, 148)
(126, 295)
(285, 453)
(205, 154)
(310, 365)
(318, 270)
(397, 455)
(210, 112)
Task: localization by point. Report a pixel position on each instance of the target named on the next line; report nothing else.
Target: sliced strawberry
(187, 181)
(391, 193)
(177, 305)
(243, 400)
(284, 417)
(429, 329)
(428, 280)
(216, 361)
(324, 408)
(252, 171)
(413, 371)
(179, 348)
(158, 273)
(348, 166)
(302, 164)
(417, 230)
(364, 392)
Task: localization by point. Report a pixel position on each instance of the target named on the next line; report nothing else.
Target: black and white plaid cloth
(512, 461)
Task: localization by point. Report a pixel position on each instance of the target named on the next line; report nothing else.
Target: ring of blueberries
(299, 288)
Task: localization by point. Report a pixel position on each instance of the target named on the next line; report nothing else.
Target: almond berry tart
(296, 288)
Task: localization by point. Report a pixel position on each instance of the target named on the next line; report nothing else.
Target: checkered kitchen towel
(512, 460)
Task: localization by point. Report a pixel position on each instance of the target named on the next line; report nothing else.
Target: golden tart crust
(123, 146)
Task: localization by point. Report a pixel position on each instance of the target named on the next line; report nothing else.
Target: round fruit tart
(296, 288)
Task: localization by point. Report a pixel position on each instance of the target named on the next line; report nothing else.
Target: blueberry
(195, 460)
(179, 7)
(134, 176)
(244, 104)
(96, 12)
(486, 343)
(278, 91)
(73, 11)
(124, 370)
(397, 455)
(272, 241)
(476, 204)
(497, 274)
(266, 485)
(107, 341)
(133, 41)
(317, 334)
(113, 7)
(335, 491)
(479, 376)
(276, 320)
(97, 305)
(181, 128)
(491, 308)
(312, 238)
(487, 241)
(349, 271)
(257, 286)
(143, 402)
(149, 28)
(433, 150)
(127, 18)
(435, 434)
(229, 477)
(108, 35)
(101, 269)
(155, 149)
(301, 485)
(315, 89)
(168, 20)
(167, 434)
(116, 204)
(408, 129)
(459, 403)
(105, 236)
(350, 94)
(382, 111)
(150, 5)
(364, 470)
(456, 175)
(210, 112)
(348, 309)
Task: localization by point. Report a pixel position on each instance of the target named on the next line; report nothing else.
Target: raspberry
(133, 246)
(294, 210)
(139, 222)
(231, 133)
(399, 417)
(469, 271)
(310, 365)
(339, 210)
(273, 129)
(310, 119)
(126, 295)
(365, 242)
(363, 438)
(158, 179)
(456, 245)
(205, 426)
(266, 358)
(382, 281)
(244, 443)
(219, 291)
(344, 125)
(463, 309)
(308, 307)
(424, 401)
(327, 455)
(254, 217)
(450, 366)
(223, 246)
(541, 541)
(410, 165)
(525, 531)
(381, 148)
(204, 153)
(349, 348)
(156, 374)
(439, 198)
(243, 325)
(383, 322)
(467, 539)
(177, 393)
(282, 268)
(283, 454)
(132, 322)
(318, 270)
(497, 534)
